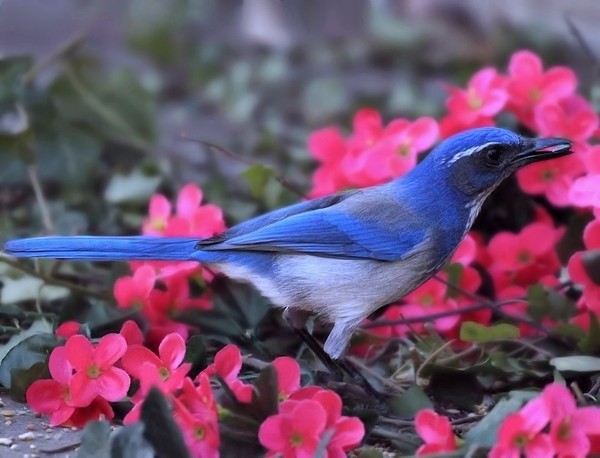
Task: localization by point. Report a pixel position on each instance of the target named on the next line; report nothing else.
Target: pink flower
(521, 432)
(227, 364)
(578, 272)
(295, 431)
(328, 147)
(378, 154)
(484, 97)
(134, 291)
(159, 212)
(585, 191)
(554, 178)
(170, 357)
(529, 86)
(132, 333)
(570, 426)
(200, 430)
(436, 432)
(52, 397)
(571, 117)
(67, 329)
(345, 432)
(95, 374)
(466, 252)
(288, 376)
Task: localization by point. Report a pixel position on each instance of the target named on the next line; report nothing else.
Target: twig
(219, 149)
(40, 198)
(59, 52)
(435, 316)
(432, 356)
(54, 281)
(587, 50)
(384, 381)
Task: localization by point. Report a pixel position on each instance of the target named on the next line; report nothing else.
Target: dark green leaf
(547, 302)
(21, 379)
(159, 427)
(485, 433)
(410, 402)
(591, 263)
(454, 387)
(12, 71)
(195, 353)
(129, 442)
(23, 355)
(591, 343)
(95, 440)
(475, 332)
(265, 399)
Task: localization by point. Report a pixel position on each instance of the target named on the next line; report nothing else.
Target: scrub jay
(346, 255)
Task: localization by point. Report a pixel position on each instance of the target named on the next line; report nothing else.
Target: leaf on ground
(135, 187)
(410, 402)
(95, 440)
(29, 288)
(485, 433)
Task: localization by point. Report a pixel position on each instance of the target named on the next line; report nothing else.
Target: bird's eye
(493, 155)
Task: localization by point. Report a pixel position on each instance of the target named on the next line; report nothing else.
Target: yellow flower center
(535, 94)
(93, 371)
(296, 439)
(524, 257)
(427, 300)
(548, 175)
(404, 149)
(163, 373)
(564, 430)
(199, 433)
(475, 102)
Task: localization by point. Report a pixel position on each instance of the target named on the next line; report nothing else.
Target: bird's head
(474, 162)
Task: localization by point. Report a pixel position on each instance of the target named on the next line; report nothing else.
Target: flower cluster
(160, 288)
(549, 425)
(543, 101)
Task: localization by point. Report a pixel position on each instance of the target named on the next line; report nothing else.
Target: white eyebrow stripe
(470, 151)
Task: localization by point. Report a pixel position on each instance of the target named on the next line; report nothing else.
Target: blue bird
(346, 255)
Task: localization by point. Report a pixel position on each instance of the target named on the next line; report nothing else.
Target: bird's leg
(336, 345)
(297, 320)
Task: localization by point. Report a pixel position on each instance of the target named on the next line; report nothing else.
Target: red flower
(466, 252)
(52, 397)
(484, 97)
(436, 432)
(529, 86)
(288, 376)
(295, 431)
(67, 329)
(159, 212)
(452, 124)
(570, 426)
(95, 374)
(134, 291)
(521, 432)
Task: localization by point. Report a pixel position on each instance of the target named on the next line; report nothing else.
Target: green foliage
(475, 332)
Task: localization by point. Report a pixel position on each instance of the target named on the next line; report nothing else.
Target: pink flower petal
(113, 384)
(172, 350)
(83, 389)
(110, 348)
(60, 368)
(188, 200)
(134, 359)
(79, 351)
(288, 374)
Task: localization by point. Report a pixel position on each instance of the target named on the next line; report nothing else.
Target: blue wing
(333, 232)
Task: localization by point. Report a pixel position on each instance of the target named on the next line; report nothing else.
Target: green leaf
(129, 442)
(265, 398)
(258, 177)
(21, 379)
(475, 332)
(547, 302)
(579, 363)
(410, 402)
(29, 288)
(25, 349)
(159, 427)
(591, 342)
(485, 433)
(135, 187)
(12, 71)
(95, 440)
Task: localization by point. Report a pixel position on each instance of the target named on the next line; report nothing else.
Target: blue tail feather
(93, 248)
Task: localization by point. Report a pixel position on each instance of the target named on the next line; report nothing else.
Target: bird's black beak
(540, 149)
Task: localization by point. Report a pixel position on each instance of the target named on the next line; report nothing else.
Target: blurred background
(100, 100)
